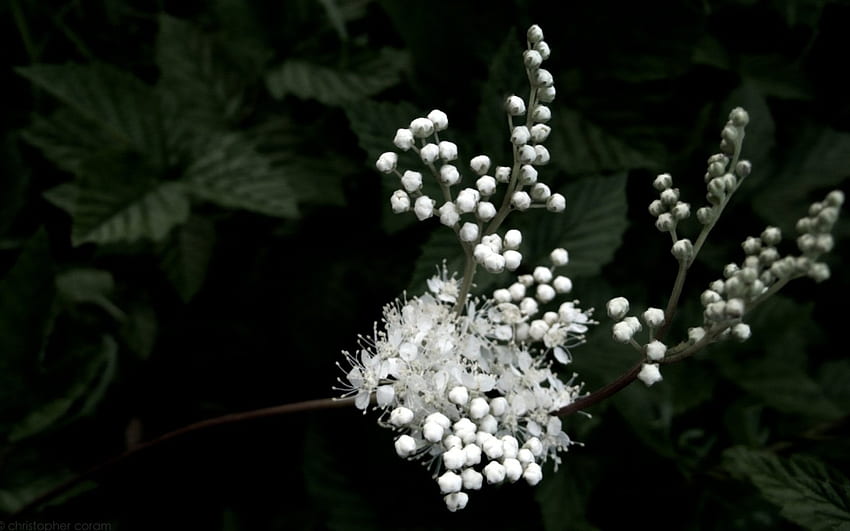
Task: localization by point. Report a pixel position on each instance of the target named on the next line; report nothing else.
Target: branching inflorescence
(468, 382)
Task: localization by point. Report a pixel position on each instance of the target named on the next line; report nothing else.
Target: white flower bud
(539, 133)
(405, 446)
(617, 308)
(472, 453)
(540, 192)
(517, 291)
(429, 153)
(665, 222)
(448, 150)
(655, 350)
(656, 207)
(400, 201)
(622, 332)
(542, 275)
(739, 117)
(454, 458)
(411, 181)
(467, 200)
(472, 479)
(494, 472)
(735, 308)
(439, 119)
(513, 239)
(562, 284)
(449, 482)
(527, 154)
(543, 78)
(513, 469)
(449, 214)
(513, 259)
(696, 334)
(459, 395)
(494, 263)
(486, 185)
(520, 135)
(403, 139)
(528, 306)
(653, 317)
(541, 155)
(556, 203)
(498, 406)
(465, 429)
(432, 431)
(751, 245)
(559, 257)
(649, 374)
(543, 49)
(819, 272)
(422, 127)
(681, 211)
(386, 162)
(545, 293)
(480, 164)
(534, 34)
(401, 416)
(441, 420)
(494, 241)
(468, 232)
(533, 474)
(541, 114)
(449, 174)
(423, 207)
(683, 249)
(452, 441)
(538, 329)
(531, 59)
(502, 174)
(478, 408)
(515, 105)
(493, 448)
(633, 323)
(771, 236)
(527, 175)
(456, 501)
(705, 215)
(521, 200)
(486, 211)
(741, 332)
(550, 318)
(502, 295)
(524, 456)
(663, 182)
(547, 95)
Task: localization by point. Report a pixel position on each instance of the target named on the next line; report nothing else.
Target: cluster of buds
(725, 172)
(626, 328)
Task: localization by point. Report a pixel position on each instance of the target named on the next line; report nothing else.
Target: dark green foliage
(191, 224)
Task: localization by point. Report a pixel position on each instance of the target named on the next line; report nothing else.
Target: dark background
(191, 225)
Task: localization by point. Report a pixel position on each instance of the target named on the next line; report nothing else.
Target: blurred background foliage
(191, 225)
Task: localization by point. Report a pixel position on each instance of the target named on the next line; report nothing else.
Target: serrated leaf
(67, 139)
(591, 229)
(123, 107)
(579, 147)
(121, 214)
(187, 255)
(807, 491)
(231, 173)
(333, 86)
(84, 387)
(93, 286)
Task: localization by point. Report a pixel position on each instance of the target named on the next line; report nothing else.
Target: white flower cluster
(626, 328)
(473, 212)
(470, 393)
(724, 174)
(668, 210)
(744, 285)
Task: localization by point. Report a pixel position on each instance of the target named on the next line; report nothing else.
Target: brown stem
(600, 394)
(285, 409)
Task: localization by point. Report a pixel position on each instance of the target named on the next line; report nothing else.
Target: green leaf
(78, 391)
(231, 173)
(112, 213)
(139, 330)
(93, 286)
(807, 491)
(333, 86)
(563, 496)
(505, 76)
(186, 256)
(591, 229)
(13, 183)
(120, 105)
(442, 246)
(67, 139)
(579, 147)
